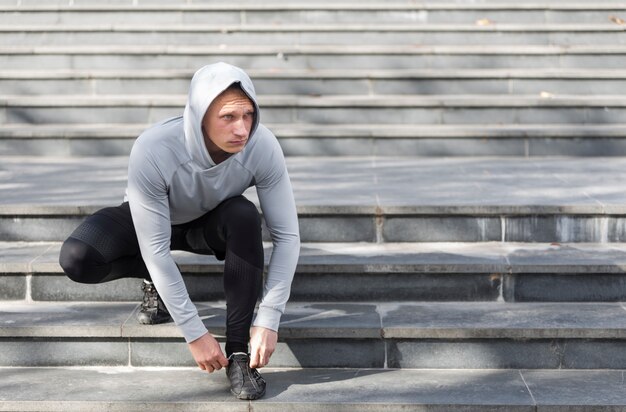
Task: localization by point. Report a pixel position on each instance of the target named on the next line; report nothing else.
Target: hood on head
(206, 84)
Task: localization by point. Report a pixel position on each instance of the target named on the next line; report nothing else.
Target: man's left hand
(262, 345)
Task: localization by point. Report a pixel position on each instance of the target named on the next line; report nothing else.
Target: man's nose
(240, 128)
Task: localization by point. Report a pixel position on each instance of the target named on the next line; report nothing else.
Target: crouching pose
(186, 176)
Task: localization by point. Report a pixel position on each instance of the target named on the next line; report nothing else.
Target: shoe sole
(150, 322)
(248, 397)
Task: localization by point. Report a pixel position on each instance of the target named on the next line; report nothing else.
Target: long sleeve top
(172, 180)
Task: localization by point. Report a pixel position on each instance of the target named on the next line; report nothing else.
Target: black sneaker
(153, 310)
(245, 382)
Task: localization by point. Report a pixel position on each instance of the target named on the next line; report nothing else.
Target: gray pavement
(324, 320)
(355, 185)
(304, 390)
(439, 257)
(351, 272)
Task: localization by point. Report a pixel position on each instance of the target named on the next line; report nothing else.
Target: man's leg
(231, 231)
(104, 248)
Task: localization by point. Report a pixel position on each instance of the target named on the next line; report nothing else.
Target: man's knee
(79, 260)
(241, 216)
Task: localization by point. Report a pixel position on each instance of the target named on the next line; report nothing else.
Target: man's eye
(227, 117)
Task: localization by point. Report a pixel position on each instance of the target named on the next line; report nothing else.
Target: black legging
(104, 248)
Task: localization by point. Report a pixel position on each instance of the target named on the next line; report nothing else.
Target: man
(186, 176)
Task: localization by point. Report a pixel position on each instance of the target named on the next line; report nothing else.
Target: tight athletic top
(172, 180)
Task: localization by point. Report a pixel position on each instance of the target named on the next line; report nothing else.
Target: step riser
(305, 86)
(316, 62)
(363, 228)
(342, 287)
(366, 146)
(346, 353)
(360, 115)
(545, 16)
(308, 38)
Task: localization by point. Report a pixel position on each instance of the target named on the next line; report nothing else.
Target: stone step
(529, 140)
(304, 82)
(376, 199)
(311, 390)
(397, 3)
(348, 272)
(200, 34)
(312, 13)
(329, 110)
(360, 335)
(314, 57)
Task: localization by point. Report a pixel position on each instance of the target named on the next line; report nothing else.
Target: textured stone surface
(406, 335)
(371, 271)
(502, 320)
(19, 257)
(550, 258)
(565, 288)
(595, 354)
(61, 288)
(334, 353)
(577, 390)
(330, 320)
(473, 354)
(123, 388)
(64, 319)
(384, 258)
(117, 389)
(308, 353)
(395, 287)
(441, 229)
(287, 390)
(62, 352)
(389, 390)
(13, 287)
(539, 186)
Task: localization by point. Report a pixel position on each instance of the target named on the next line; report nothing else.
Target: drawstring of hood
(208, 83)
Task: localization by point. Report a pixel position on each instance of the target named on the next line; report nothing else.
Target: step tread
(596, 49)
(315, 28)
(322, 320)
(371, 185)
(411, 258)
(330, 101)
(166, 74)
(344, 5)
(337, 131)
(308, 390)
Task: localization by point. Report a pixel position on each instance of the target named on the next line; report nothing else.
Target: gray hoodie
(173, 180)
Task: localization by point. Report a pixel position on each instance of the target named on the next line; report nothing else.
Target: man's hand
(262, 345)
(207, 353)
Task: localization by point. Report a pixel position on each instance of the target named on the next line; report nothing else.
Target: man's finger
(261, 361)
(223, 361)
(254, 359)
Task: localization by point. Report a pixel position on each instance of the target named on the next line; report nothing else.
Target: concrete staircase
(459, 172)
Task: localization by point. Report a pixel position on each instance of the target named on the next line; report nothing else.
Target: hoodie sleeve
(279, 209)
(149, 206)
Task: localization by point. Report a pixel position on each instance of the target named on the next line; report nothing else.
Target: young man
(186, 176)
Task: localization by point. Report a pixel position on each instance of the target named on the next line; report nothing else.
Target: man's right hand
(207, 353)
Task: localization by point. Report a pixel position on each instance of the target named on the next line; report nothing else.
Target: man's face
(228, 121)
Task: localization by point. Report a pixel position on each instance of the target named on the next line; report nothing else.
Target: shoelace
(244, 364)
(149, 296)
(257, 375)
